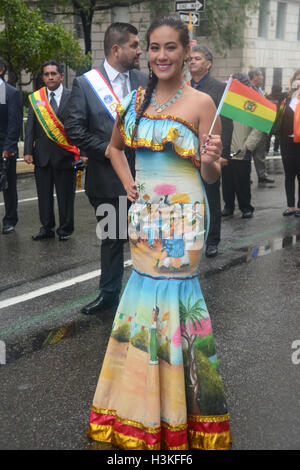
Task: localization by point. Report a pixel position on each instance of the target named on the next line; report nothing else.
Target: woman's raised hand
(211, 149)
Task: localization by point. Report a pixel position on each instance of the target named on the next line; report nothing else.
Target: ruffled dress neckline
(155, 132)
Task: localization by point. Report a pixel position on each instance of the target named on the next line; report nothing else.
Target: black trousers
(10, 195)
(214, 203)
(236, 182)
(65, 184)
(291, 165)
(112, 247)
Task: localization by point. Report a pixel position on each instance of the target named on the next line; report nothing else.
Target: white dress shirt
(115, 79)
(57, 94)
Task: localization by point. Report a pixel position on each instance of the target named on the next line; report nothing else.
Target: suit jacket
(43, 149)
(11, 118)
(286, 129)
(89, 126)
(214, 88)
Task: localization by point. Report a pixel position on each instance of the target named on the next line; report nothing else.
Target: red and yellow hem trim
(200, 432)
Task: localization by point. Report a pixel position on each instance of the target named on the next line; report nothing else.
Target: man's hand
(84, 159)
(28, 158)
(6, 154)
(107, 152)
(223, 161)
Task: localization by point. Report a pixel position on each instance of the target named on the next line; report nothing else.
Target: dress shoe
(288, 212)
(211, 251)
(266, 179)
(226, 212)
(8, 229)
(100, 303)
(247, 214)
(297, 213)
(42, 235)
(63, 238)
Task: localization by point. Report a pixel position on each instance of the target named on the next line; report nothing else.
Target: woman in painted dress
(160, 386)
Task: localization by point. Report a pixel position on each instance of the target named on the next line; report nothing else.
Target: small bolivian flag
(242, 103)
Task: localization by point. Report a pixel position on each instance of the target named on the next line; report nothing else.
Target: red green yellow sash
(52, 126)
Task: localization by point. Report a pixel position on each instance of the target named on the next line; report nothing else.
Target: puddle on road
(272, 246)
(253, 253)
(48, 337)
(41, 339)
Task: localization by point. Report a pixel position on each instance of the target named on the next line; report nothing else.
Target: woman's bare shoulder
(199, 96)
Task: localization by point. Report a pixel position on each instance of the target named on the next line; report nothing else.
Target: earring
(150, 73)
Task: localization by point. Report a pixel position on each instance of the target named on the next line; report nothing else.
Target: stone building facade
(272, 43)
(272, 40)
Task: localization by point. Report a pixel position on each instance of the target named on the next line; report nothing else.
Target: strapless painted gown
(160, 385)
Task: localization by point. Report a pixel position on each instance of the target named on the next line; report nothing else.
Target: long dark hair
(175, 23)
(291, 81)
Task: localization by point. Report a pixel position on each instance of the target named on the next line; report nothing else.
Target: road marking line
(53, 287)
(30, 199)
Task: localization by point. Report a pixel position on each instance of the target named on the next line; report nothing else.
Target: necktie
(53, 102)
(125, 90)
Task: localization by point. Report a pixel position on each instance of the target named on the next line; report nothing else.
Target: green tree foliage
(141, 340)
(27, 41)
(225, 20)
(210, 397)
(86, 9)
(164, 351)
(206, 345)
(122, 333)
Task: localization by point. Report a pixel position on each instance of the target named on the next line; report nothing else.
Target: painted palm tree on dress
(190, 320)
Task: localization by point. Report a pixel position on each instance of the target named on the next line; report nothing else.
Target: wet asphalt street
(54, 353)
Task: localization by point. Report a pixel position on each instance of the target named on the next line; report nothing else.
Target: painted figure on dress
(89, 125)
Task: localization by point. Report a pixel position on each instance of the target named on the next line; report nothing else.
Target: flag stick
(220, 105)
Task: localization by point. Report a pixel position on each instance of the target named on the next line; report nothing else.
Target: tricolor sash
(103, 91)
(49, 121)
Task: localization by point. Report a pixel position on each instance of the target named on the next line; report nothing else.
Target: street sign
(185, 17)
(189, 6)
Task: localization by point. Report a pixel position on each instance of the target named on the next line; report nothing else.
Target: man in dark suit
(11, 116)
(52, 163)
(259, 154)
(89, 126)
(200, 63)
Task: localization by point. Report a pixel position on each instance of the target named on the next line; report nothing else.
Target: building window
(298, 35)
(78, 27)
(277, 76)
(121, 14)
(203, 30)
(263, 71)
(49, 15)
(263, 18)
(280, 23)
